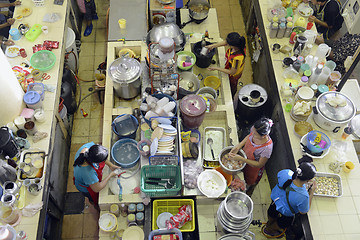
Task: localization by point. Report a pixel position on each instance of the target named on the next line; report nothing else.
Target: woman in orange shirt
(235, 58)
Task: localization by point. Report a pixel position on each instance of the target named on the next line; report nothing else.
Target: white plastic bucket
(70, 45)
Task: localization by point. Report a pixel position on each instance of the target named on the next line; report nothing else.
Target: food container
(211, 183)
(192, 108)
(125, 153)
(125, 126)
(125, 73)
(172, 206)
(225, 168)
(207, 92)
(37, 87)
(33, 100)
(165, 233)
(303, 142)
(333, 117)
(218, 135)
(182, 57)
(329, 176)
(324, 141)
(189, 84)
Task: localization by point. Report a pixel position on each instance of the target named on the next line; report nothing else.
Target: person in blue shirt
(289, 197)
(90, 160)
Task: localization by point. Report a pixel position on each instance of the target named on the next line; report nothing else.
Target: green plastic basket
(43, 60)
(160, 171)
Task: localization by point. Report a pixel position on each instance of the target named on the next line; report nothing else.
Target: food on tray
(327, 186)
(229, 163)
(25, 11)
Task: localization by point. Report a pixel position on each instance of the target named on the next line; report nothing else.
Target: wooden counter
(34, 226)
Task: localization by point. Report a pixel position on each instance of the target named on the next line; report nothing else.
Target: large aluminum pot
(333, 111)
(199, 9)
(170, 30)
(125, 73)
(189, 84)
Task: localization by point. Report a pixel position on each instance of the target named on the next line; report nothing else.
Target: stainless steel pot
(11, 187)
(125, 73)
(189, 84)
(10, 199)
(199, 9)
(330, 116)
(170, 30)
(227, 170)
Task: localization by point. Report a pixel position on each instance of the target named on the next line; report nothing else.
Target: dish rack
(171, 172)
(164, 160)
(39, 3)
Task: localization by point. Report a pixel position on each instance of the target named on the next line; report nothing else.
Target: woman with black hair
(235, 58)
(258, 148)
(90, 160)
(289, 197)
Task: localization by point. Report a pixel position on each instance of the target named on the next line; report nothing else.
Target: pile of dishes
(163, 136)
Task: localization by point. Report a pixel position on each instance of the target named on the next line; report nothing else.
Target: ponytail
(289, 181)
(82, 158)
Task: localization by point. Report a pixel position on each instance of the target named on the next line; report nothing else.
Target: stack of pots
(235, 213)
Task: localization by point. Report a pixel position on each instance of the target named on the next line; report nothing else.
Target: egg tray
(164, 160)
(40, 173)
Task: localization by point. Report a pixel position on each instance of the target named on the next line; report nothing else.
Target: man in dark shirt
(328, 17)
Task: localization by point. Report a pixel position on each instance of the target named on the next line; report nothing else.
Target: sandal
(267, 234)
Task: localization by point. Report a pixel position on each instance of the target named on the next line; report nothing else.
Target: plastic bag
(191, 173)
(31, 209)
(51, 17)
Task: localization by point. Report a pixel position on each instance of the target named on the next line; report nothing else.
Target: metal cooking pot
(170, 30)
(125, 73)
(330, 117)
(355, 126)
(198, 9)
(189, 84)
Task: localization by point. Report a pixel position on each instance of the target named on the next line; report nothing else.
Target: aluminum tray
(205, 145)
(330, 175)
(21, 176)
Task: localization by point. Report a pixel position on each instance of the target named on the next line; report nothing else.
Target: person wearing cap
(289, 197)
(90, 160)
(235, 58)
(258, 147)
(327, 17)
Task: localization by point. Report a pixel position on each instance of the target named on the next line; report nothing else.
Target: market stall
(37, 24)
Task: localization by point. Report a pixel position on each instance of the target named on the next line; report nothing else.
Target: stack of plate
(163, 138)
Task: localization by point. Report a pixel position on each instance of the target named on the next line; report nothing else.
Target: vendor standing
(235, 58)
(327, 17)
(258, 148)
(89, 163)
(289, 197)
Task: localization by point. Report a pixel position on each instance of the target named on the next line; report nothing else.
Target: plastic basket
(172, 206)
(162, 232)
(160, 171)
(129, 161)
(125, 126)
(310, 139)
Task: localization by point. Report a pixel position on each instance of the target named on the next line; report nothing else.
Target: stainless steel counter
(135, 13)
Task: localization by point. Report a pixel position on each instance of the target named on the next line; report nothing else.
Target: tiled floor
(85, 129)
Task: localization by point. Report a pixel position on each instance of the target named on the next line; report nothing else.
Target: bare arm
(240, 145)
(215, 45)
(311, 194)
(231, 71)
(317, 21)
(16, 3)
(97, 187)
(111, 165)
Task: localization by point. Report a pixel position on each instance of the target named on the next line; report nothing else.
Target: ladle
(210, 142)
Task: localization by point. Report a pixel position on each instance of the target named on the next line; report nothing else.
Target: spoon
(210, 142)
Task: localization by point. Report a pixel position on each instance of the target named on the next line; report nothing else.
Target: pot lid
(125, 69)
(335, 106)
(252, 95)
(192, 105)
(32, 97)
(189, 82)
(355, 126)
